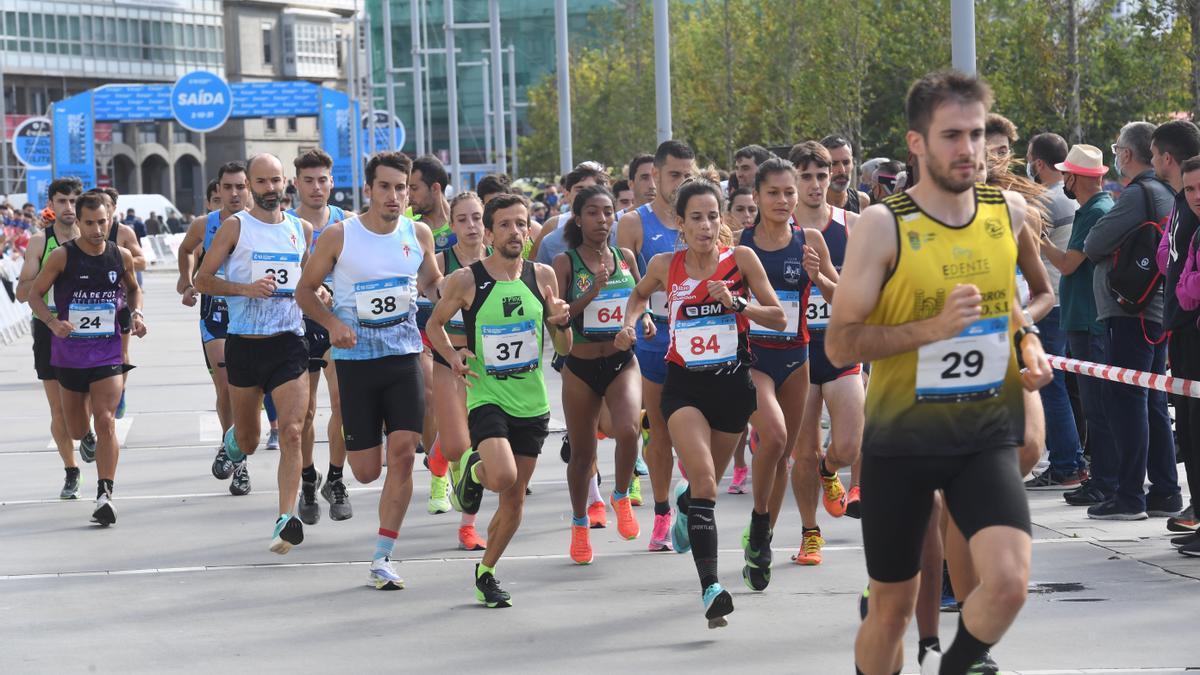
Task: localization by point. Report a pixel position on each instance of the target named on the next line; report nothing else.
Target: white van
(142, 205)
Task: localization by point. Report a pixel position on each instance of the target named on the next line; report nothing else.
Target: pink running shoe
(660, 538)
(738, 485)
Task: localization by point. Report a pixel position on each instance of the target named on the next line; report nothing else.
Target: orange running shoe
(435, 461)
(810, 548)
(581, 546)
(627, 524)
(597, 515)
(469, 539)
(833, 495)
(853, 497)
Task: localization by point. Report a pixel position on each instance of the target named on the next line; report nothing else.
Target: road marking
(123, 426)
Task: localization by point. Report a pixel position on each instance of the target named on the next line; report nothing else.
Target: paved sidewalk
(184, 582)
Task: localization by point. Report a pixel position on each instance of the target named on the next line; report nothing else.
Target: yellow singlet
(961, 395)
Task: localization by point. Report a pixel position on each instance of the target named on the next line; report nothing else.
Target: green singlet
(455, 325)
(504, 330)
(601, 320)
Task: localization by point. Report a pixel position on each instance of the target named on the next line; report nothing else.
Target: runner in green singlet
(506, 303)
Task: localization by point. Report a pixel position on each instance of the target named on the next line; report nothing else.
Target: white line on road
(123, 426)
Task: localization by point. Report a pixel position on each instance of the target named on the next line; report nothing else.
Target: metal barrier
(14, 316)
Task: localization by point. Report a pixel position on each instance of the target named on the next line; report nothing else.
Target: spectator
(538, 212)
(1067, 466)
(999, 134)
(625, 199)
(745, 165)
(133, 221)
(1083, 178)
(174, 224)
(491, 186)
(1138, 417)
(1173, 145)
(153, 226)
(883, 179)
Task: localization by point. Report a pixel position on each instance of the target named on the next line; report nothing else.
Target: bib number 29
(968, 364)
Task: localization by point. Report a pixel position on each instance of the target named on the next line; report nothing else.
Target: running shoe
(1168, 506)
(288, 533)
(488, 591)
(833, 495)
(383, 576)
(564, 450)
(104, 515)
(738, 485)
(334, 492)
(120, 414)
(1087, 494)
(635, 491)
(984, 666)
(757, 570)
(308, 508)
(454, 474)
(627, 524)
(753, 445)
(87, 447)
(1191, 550)
(273, 440)
(864, 603)
(660, 536)
(680, 539)
(718, 604)
(70, 488)
(1184, 522)
(438, 501)
(852, 502)
(222, 466)
(932, 665)
(1185, 539)
(640, 468)
(467, 489)
(1111, 510)
(810, 548)
(581, 545)
(240, 485)
(597, 515)
(645, 429)
(949, 603)
(1052, 480)
(469, 539)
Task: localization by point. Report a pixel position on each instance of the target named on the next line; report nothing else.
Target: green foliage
(776, 72)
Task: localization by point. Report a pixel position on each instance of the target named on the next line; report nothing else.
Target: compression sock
(964, 651)
(468, 519)
(760, 526)
(702, 532)
(385, 543)
(335, 473)
(104, 486)
(309, 474)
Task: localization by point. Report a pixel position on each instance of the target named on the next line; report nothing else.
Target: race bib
(818, 310)
(969, 367)
(383, 302)
(659, 309)
(285, 267)
(605, 314)
(707, 343)
(510, 349)
(790, 301)
(94, 320)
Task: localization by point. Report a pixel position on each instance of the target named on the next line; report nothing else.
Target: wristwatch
(738, 304)
(1019, 336)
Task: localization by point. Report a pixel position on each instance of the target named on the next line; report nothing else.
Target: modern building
(525, 25)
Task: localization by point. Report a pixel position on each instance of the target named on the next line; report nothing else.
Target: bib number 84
(699, 345)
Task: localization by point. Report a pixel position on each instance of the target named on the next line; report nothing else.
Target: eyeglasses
(1116, 148)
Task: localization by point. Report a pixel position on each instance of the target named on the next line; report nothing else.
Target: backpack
(1135, 278)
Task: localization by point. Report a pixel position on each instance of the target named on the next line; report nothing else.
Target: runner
(840, 389)
(377, 260)
(625, 200)
(597, 279)
(262, 251)
(902, 305)
(795, 260)
(231, 197)
(506, 303)
(641, 179)
(62, 194)
(742, 214)
(550, 243)
(841, 193)
(450, 392)
(92, 279)
(709, 395)
(645, 231)
(426, 195)
(745, 166)
(314, 180)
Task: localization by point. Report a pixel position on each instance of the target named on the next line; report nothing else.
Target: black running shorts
(41, 351)
(318, 344)
(380, 396)
(982, 489)
(599, 373)
(725, 399)
(525, 434)
(79, 380)
(266, 362)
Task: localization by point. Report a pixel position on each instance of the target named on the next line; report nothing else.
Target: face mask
(1117, 164)
(1068, 191)
(1033, 176)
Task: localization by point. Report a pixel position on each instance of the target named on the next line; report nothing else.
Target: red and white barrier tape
(1170, 385)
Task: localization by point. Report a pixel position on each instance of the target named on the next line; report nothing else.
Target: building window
(292, 124)
(266, 40)
(271, 125)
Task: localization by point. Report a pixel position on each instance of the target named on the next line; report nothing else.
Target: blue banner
(144, 102)
(133, 102)
(37, 185)
(337, 123)
(74, 139)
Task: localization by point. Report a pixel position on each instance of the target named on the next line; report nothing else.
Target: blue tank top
(656, 238)
(336, 215)
(785, 272)
(210, 228)
(836, 237)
